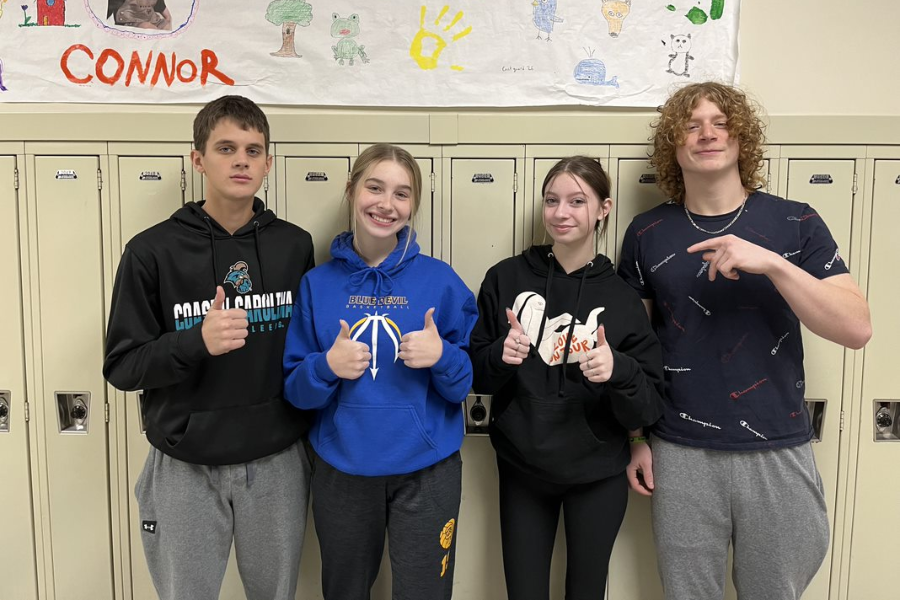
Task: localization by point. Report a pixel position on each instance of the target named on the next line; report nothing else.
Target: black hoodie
(203, 409)
(548, 419)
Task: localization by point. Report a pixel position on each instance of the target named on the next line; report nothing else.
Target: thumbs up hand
(224, 330)
(422, 349)
(347, 358)
(517, 344)
(597, 363)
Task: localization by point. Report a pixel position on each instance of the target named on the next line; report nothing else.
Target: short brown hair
(591, 172)
(243, 111)
(744, 123)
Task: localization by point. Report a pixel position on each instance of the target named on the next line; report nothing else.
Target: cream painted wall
(822, 57)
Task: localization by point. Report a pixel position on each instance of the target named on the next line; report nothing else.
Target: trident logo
(377, 321)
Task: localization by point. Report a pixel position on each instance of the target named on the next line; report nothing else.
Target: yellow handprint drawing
(430, 61)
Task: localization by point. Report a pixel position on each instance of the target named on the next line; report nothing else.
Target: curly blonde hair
(670, 130)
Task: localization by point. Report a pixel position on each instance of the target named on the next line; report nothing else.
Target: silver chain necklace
(718, 231)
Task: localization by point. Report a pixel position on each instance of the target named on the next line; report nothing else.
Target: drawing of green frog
(346, 29)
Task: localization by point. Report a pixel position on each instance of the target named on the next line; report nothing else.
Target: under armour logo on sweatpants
(149, 527)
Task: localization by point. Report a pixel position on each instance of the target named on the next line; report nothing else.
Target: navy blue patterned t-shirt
(732, 350)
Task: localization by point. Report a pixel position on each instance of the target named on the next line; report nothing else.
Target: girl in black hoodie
(566, 349)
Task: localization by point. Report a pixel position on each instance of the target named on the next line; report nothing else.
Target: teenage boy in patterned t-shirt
(728, 274)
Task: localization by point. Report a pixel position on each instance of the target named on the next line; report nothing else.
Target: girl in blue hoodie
(378, 346)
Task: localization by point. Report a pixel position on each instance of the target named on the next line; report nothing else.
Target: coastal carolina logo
(239, 278)
(375, 323)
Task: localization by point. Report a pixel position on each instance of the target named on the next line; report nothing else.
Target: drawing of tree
(289, 14)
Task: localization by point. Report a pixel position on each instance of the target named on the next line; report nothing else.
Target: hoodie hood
(343, 251)
(193, 217)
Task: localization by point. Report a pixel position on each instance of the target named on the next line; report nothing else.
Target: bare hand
(729, 254)
(597, 363)
(640, 470)
(347, 358)
(422, 349)
(516, 345)
(224, 330)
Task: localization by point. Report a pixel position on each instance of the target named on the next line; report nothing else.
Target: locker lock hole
(4, 411)
(887, 420)
(73, 410)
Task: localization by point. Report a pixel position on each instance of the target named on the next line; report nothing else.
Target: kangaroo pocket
(237, 434)
(553, 437)
(378, 440)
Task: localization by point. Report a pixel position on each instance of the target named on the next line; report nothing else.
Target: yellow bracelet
(637, 439)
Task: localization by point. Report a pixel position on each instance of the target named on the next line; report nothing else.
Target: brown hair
(243, 111)
(591, 172)
(370, 157)
(743, 123)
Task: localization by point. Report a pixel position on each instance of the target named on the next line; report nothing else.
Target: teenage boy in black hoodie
(728, 274)
(199, 314)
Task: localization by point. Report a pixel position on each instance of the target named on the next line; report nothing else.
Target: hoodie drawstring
(565, 361)
(212, 243)
(384, 284)
(262, 280)
(547, 289)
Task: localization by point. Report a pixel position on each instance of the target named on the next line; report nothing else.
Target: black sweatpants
(419, 511)
(529, 515)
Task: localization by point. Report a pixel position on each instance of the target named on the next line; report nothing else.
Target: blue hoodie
(393, 419)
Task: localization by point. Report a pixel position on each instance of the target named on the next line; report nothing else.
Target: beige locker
(632, 568)
(312, 180)
(829, 187)
(147, 190)
(482, 216)
(18, 569)
(874, 547)
(70, 395)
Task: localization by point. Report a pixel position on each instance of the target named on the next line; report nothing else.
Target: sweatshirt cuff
(496, 356)
(624, 368)
(323, 370)
(446, 360)
(191, 345)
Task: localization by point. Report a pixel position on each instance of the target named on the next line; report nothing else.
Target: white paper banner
(372, 53)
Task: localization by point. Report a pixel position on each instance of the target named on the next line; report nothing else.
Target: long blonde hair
(372, 156)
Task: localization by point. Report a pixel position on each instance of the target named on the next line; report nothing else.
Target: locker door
(635, 192)
(539, 233)
(314, 199)
(875, 542)
(424, 222)
(18, 571)
(68, 305)
(150, 190)
(482, 216)
(827, 186)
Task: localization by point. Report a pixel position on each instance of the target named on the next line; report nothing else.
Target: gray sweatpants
(769, 504)
(190, 514)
